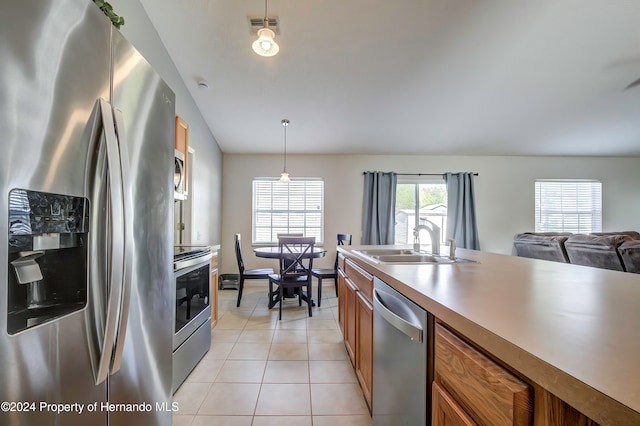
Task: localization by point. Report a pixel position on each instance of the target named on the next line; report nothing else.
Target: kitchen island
(571, 332)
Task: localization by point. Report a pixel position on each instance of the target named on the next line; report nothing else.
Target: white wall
(504, 192)
(205, 189)
(504, 188)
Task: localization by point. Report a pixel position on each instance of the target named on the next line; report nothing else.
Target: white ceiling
(459, 77)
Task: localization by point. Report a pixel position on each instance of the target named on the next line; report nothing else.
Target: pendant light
(284, 176)
(265, 45)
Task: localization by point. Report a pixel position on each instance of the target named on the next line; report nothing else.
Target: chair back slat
(342, 239)
(239, 253)
(296, 257)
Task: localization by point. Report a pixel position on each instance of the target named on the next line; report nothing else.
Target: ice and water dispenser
(47, 257)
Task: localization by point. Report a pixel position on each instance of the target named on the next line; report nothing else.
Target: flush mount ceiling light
(284, 176)
(265, 45)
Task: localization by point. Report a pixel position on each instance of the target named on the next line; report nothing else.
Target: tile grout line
(254, 312)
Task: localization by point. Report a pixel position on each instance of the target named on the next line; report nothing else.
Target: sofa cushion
(600, 251)
(542, 245)
(633, 234)
(630, 253)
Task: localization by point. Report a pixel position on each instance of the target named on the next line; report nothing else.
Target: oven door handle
(182, 264)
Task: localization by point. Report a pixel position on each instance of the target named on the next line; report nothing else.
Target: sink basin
(405, 256)
(413, 258)
(386, 252)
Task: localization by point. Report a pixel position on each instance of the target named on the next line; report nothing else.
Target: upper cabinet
(182, 146)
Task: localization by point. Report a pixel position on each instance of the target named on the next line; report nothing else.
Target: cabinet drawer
(361, 278)
(445, 411)
(487, 392)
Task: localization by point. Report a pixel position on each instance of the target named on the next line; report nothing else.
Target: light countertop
(574, 330)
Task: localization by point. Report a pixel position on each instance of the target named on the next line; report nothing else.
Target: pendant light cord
(285, 147)
(285, 123)
(266, 21)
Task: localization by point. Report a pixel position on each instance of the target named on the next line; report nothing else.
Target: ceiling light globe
(265, 45)
(284, 177)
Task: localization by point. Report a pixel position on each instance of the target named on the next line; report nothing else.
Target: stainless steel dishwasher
(402, 364)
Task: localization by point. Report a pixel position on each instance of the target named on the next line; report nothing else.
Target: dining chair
(320, 274)
(296, 261)
(248, 274)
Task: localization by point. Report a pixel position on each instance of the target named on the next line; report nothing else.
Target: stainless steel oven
(192, 319)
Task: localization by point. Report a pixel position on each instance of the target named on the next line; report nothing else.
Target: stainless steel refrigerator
(86, 153)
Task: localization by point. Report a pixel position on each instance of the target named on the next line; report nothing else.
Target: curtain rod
(421, 174)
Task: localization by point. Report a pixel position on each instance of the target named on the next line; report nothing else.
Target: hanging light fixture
(265, 45)
(284, 176)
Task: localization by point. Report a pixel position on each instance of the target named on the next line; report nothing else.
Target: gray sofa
(619, 251)
(542, 245)
(630, 252)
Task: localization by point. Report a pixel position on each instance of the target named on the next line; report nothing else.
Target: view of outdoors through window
(568, 206)
(283, 208)
(427, 201)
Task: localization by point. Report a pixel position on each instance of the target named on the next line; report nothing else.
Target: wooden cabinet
(213, 291)
(469, 384)
(342, 288)
(364, 345)
(445, 410)
(355, 315)
(350, 319)
(362, 280)
(549, 410)
(467, 380)
(182, 145)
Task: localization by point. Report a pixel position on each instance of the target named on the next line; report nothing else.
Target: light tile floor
(261, 371)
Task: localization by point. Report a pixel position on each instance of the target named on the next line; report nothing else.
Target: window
(568, 206)
(282, 208)
(425, 199)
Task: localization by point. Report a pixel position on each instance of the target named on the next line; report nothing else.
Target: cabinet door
(364, 346)
(182, 145)
(342, 290)
(445, 410)
(350, 319)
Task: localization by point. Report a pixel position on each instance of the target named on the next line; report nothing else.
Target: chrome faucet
(452, 249)
(434, 234)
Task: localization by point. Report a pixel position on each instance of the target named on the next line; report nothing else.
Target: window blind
(568, 206)
(282, 208)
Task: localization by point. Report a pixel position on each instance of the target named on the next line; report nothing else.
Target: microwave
(179, 177)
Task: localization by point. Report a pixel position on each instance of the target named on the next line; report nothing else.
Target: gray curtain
(461, 210)
(379, 208)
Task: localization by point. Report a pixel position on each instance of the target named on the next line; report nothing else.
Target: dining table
(273, 252)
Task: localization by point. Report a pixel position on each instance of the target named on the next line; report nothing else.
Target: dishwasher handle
(414, 331)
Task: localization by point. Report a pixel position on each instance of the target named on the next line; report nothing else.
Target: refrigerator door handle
(127, 201)
(106, 253)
